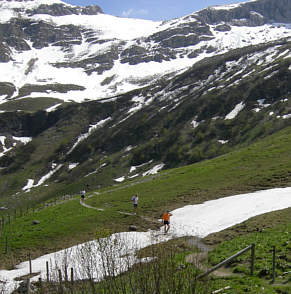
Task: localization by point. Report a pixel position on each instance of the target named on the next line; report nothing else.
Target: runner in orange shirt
(166, 220)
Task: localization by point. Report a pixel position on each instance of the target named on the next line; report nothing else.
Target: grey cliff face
(14, 34)
(250, 13)
(4, 53)
(185, 35)
(41, 34)
(57, 9)
(60, 10)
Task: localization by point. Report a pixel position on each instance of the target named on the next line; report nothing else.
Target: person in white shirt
(134, 200)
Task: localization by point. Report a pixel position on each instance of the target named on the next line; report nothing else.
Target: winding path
(89, 206)
(152, 220)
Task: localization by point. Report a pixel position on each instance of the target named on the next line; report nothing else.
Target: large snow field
(192, 220)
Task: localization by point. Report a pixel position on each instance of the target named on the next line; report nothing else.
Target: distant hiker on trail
(134, 200)
(166, 220)
(83, 192)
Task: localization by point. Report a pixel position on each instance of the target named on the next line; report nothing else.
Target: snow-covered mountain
(49, 49)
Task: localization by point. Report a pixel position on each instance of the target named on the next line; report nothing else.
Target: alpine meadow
(192, 114)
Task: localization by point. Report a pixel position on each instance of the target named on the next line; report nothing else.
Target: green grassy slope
(263, 165)
(267, 231)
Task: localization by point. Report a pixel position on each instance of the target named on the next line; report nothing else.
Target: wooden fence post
(72, 275)
(66, 273)
(28, 286)
(30, 265)
(72, 281)
(40, 285)
(9, 219)
(47, 272)
(228, 260)
(274, 265)
(61, 282)
(253, 258)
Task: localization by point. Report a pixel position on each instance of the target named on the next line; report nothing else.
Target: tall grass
(109, 266)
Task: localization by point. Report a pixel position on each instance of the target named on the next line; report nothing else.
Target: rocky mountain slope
(226, 97)
(52, 50)
(219, 104)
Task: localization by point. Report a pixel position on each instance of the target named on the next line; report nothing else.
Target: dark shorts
(166, 222)
(134, 205)
(82, 196)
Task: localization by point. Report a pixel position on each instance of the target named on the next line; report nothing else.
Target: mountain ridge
(250, 13)
(131, 54)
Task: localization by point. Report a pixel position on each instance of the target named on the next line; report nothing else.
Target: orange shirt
(166, 216)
